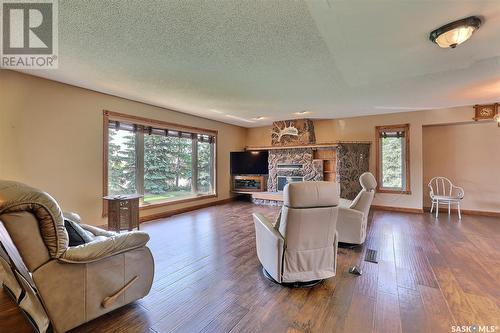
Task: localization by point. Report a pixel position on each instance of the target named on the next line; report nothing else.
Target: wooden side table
(123, 212)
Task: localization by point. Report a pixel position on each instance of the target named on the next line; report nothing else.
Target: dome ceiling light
(455, 33)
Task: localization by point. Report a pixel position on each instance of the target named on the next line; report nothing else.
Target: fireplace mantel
(314, 146)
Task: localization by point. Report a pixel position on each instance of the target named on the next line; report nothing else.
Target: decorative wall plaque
(294, 132)
(485, 112)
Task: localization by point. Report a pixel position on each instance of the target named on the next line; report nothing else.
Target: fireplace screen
(283, 180)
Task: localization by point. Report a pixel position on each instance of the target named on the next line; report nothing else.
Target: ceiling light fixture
(259, 118)
(302, 112)
(455, 33)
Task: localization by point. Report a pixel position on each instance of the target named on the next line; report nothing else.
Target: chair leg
(449, 208)
(432, 206)
(459, 213)
(437, 208)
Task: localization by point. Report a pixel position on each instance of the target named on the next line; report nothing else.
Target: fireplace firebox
(283, 180)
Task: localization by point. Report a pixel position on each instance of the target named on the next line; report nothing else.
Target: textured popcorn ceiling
(235, 60)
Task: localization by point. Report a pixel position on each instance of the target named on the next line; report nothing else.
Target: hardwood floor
(431, 274)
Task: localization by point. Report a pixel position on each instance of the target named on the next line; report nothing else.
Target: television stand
(252, 183)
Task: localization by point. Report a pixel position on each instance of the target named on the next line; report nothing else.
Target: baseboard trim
(466, 211)
(398, 209)
(173, 212)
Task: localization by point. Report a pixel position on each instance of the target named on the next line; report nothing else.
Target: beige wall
(467, 154)
(363, 128)
(51, 138)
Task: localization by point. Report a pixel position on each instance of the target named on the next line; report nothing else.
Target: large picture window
(393, 155)
(163, 162)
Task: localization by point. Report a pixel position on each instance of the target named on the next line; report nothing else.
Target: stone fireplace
(294, 155)
(292, 162)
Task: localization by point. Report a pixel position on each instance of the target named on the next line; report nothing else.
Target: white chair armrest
(460, 190)
(270, 245)
(350, 225)
(335, 248)
(348, 215)
(431, 191)
(345, 203)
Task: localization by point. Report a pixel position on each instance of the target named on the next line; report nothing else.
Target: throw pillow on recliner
(76, 234)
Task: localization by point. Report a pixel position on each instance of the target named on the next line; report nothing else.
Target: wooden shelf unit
(329, 159)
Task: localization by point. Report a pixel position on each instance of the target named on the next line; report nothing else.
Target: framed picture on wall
(485, 112)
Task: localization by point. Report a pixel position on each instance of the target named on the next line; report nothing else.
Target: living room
(234, 141)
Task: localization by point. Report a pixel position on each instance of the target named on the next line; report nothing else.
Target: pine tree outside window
(163, 164)
(393, 167)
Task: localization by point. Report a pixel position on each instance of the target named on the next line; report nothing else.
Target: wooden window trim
(160, 123)
(110, 115)
(407, 189)
(177, 201)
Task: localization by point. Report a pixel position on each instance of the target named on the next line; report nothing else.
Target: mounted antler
(281, 128)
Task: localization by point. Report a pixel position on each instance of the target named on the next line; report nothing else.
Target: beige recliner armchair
(302, 245)
(60, 287)
(353, 215)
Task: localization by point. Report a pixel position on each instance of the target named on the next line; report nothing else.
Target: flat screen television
(249, 163)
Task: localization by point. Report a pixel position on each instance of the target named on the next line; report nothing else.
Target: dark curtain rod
(150, 130)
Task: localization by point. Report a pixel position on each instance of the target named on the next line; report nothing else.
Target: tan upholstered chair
(353, 215)
(302, 245)
(60, 287)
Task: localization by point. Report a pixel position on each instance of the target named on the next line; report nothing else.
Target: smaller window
(393, 158)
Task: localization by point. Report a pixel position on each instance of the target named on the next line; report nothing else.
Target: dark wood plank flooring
(431, 274)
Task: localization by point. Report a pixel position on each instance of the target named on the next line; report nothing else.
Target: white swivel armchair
(442, 190)
(302, 246)
(353, 215)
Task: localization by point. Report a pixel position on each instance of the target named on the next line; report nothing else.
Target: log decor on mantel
(334, 144)
(293, 132)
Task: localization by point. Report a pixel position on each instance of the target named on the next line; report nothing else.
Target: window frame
(406, 189)
(115, 116)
